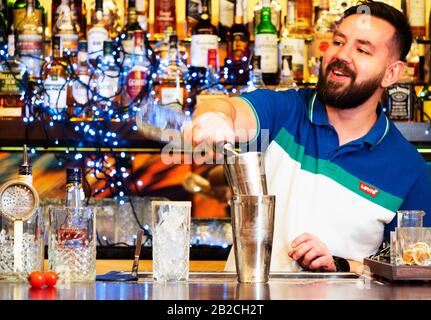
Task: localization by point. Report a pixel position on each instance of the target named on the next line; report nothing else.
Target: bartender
(338, 166)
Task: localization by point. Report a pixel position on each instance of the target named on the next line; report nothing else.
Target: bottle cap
(73, 175)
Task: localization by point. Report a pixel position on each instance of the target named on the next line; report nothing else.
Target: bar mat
(116, 276)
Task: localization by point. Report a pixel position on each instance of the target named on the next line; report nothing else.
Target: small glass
(32, 247)
(410, 218)
(72, 243)
(171, 240)
(414, 246)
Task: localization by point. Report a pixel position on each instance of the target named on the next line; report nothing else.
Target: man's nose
(344, 53)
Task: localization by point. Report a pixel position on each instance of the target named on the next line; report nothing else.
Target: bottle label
(293, 47)
(136, 82)
(199, 49)
(164, 15)
(266, 48)
(239, 47)
(172, 95)
(417, 13)
(321, 43)
(30, 50)
(55, 95)
(96, 36)
(108, 84)
(400, 102)
(69, 42)
(9, 82)
(226, 12)
(80, 92)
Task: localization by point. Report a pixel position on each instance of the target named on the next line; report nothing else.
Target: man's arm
(223, 119)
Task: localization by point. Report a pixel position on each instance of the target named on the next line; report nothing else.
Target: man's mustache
(342, 66)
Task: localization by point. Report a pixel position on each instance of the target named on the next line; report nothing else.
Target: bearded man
(338, 166)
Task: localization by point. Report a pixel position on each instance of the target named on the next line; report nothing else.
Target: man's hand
(311, 253)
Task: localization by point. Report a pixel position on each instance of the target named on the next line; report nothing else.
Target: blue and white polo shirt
(346, 195)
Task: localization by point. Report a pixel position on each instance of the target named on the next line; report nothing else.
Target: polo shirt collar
(317, 115)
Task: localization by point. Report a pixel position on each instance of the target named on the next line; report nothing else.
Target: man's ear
(393, 73)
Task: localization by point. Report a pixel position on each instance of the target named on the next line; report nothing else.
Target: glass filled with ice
(171, 240)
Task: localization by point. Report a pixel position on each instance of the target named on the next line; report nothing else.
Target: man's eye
(337, 43)
(360, 50)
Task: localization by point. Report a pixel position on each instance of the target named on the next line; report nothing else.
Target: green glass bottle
(266, 45)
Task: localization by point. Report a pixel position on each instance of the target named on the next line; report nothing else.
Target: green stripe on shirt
(333, 171)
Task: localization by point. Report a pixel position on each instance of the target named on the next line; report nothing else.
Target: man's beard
(353, 95)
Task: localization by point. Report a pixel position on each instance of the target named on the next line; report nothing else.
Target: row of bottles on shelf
(105, 75)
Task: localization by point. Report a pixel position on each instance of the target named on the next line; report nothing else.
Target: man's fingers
(310, 256)
(325, 262)
(301, 250)
(302, 238)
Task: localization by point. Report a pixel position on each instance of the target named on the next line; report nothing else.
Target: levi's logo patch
(368, 189)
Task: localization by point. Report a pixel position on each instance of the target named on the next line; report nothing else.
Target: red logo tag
(368, 189)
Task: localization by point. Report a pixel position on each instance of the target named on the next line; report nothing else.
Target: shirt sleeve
(273, 110)
(418, 198)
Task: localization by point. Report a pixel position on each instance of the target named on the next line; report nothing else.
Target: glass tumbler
(171, 240)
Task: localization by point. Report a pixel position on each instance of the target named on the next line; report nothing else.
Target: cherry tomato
(36, 279)
(51, 278)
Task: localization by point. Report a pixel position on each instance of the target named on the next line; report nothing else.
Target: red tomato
(36, 279)
(51, 278)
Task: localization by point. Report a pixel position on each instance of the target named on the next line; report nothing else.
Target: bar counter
(209, 282)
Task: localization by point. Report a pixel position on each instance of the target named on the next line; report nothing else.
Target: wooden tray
(395, 273)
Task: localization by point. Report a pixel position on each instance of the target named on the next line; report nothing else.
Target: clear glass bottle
(266, 45)
(416, 13)
(97, 34)
(256, 79)
(64, 26)
(29, 40)
(286, 81)
(57, 93)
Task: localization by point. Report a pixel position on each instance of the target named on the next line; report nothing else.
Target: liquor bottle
(204, 37)
(29, 41)
(75, 196)
(286, 81)
(164, 16)
(107, 78)
(416, 13)
(192, 15)
(81, 92)
(161, 48)
(292, 42)
(213, 88)
(266, 45)
(169, 85)
(64, 26)
(97, 34)
(323, 30)
(226, 18)
(401, 101)
(12, 83)
(238, 48)
(3, 27)
(71, 232)
(142, 12)
(133, 25)
(256, 80)
(78, 12)
(19, 12)
(304, 16)
(57, 93)
(275, 14)
(137, 79)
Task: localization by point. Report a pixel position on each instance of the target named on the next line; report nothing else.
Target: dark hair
(403, 34)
